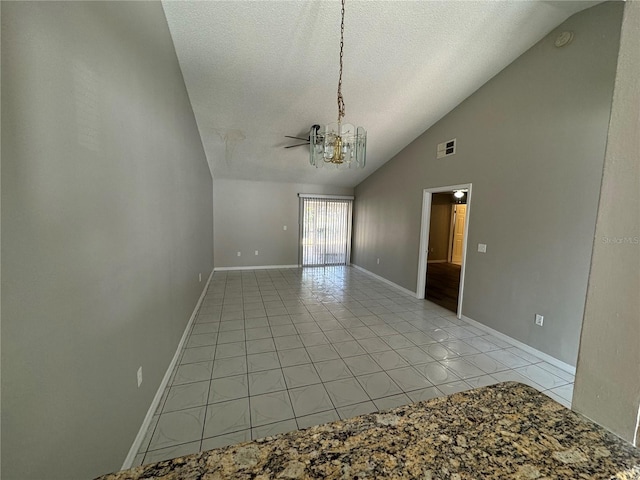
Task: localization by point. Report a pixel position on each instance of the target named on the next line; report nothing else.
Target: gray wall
(106, 222)
(607, 385)
(250, 216)
(531, 141)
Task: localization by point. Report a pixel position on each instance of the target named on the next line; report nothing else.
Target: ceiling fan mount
(306, 140)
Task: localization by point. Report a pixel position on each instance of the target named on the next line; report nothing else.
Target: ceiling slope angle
(257, 71)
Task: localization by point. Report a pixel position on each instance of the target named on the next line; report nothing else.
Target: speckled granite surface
(507, 430)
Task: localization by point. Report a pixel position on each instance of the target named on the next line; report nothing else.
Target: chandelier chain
(340, 98)
(337, 144)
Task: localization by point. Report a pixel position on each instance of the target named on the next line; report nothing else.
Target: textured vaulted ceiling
(259, 70)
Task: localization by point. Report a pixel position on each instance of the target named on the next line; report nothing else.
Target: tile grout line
(283, 378)
(246, 359)
(215, 353)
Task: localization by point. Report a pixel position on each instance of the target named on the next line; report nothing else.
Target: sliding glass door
(325, 230)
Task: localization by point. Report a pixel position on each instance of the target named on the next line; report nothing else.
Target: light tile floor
(276, 350)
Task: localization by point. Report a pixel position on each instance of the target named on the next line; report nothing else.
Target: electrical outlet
(284, 227)
(539, 320)
(378, 261)
(482, 248)
(139, 376)
(256, 252)
(199, 277)
(239, 253)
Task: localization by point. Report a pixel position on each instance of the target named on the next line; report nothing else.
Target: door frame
(349, 232)
(424, 240)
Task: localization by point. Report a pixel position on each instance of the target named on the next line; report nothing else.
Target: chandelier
(339, 144)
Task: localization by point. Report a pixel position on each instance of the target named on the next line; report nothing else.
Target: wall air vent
(446, 149)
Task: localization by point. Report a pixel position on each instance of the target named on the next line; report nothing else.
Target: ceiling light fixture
(340, 144)
(458, 193)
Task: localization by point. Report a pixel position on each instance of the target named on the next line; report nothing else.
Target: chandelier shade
(339, 144)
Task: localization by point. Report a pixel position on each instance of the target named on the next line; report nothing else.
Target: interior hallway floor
(277, 350)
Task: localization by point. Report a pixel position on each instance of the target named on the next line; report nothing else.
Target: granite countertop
(502, 431)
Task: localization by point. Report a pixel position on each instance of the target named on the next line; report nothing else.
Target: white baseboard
(523, 346)
(384, 280)
(133, 451)
(257, 267)
(635, 435)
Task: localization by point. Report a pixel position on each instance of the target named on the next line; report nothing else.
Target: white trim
(523, 346)
(133, 451)
(421, 284)
(424, 240)
(330, 197)
(465, 242)
(384, 280)
(255, 267)
(635, 433)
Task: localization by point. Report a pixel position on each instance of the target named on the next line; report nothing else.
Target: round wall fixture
(564, 39)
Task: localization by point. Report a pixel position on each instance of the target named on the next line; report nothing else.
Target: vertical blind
(325, 230)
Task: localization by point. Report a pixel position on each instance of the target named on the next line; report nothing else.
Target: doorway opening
(443, 245)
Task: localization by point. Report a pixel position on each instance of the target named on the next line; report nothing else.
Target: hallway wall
(532, 142)
(106, 225)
